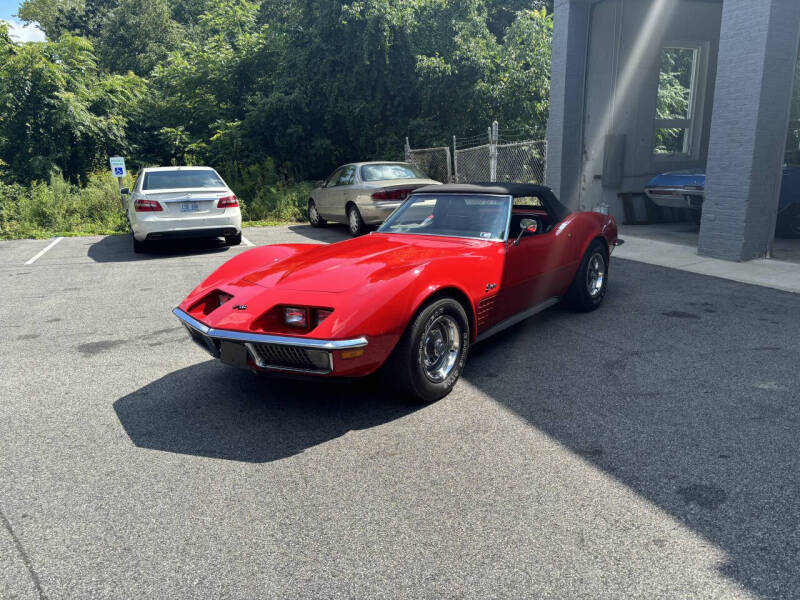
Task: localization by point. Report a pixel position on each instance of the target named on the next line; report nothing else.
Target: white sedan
(181, 202)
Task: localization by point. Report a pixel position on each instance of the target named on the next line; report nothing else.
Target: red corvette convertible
(451, 266)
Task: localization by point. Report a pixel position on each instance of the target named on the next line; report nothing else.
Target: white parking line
(247, 242)
(41, 253)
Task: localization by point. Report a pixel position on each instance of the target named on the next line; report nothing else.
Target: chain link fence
(512, 157)
(473, 164)
(521, 162)
(434, 162)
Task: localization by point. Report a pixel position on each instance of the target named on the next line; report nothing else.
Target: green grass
(60, 208)
(268, 223)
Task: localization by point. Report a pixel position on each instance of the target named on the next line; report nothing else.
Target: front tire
(430, 356)
(588, 288)
(355, 223)
(313, 215)
(234, 240)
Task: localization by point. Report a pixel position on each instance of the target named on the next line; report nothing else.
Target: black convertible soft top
(517, 190)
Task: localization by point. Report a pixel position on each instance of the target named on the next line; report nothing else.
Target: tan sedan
(363, 194)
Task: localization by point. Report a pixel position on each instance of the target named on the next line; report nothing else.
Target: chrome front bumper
(275, 352)
(676, 197)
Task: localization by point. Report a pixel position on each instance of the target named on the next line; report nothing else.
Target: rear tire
(430, 357)
(355, 223)
(139, 247)
(588, 288)
(234, 240)
(313, 215)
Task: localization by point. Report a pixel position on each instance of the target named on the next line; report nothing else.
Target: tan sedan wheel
(313, 215)
(354, 221)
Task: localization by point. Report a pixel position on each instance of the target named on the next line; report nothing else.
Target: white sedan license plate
(190, 206)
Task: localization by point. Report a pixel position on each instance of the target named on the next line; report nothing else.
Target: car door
(342, 191)
(535, 269)
(324, 196)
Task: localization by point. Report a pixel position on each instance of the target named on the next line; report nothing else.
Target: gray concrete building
(641, 87)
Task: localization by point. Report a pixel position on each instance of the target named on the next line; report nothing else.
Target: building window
(792, 153)
(675, 109)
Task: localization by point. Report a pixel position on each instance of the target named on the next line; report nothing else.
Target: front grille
(290, 357)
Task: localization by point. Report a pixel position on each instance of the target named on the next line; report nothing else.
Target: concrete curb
(769, 273)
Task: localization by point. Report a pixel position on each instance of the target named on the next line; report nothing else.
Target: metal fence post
(449, 167)
(493, 152)
(455, 161)
(492, 164)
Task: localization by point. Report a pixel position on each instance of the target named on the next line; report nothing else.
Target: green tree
(298, 84)
(137, 35)
(58, 111)
(86, 19)
(48, 14)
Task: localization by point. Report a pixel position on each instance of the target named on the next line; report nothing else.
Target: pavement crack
(24, 555)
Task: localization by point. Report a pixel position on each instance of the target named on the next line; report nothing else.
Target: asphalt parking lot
(648, 449)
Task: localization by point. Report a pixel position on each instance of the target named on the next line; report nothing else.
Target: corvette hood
(355, 263)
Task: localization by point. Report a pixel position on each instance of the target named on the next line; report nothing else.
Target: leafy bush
(281, 202)
(59, 207)
(265, 194)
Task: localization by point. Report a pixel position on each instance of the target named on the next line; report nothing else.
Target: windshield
(174, 180)
(476, 216)
(390, 171)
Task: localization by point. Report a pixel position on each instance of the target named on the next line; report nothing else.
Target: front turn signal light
(352, 353)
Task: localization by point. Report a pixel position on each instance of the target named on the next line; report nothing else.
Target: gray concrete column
(565, 123)
(755, 71)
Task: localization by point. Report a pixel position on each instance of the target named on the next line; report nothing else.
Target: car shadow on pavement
(212, 410)
(333, 232)
(119, 248)
(683, 388)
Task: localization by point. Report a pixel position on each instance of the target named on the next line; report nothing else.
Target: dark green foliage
(59, 111)
(268, 91)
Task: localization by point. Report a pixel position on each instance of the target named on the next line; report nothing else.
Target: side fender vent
(485, 308)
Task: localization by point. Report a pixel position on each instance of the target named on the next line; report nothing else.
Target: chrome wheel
(441, 345)
(353, 219)
(313, 215)
(595, 274)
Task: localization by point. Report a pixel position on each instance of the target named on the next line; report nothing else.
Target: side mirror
(320, 183)
(124, 191)
(526, 226)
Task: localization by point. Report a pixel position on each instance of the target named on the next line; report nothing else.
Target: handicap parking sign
(117, 166)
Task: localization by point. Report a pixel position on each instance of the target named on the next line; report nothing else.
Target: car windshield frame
(410, 200)
(221, 185)
(418, 174)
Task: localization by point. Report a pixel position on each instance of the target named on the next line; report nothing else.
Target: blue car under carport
(686, 189)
